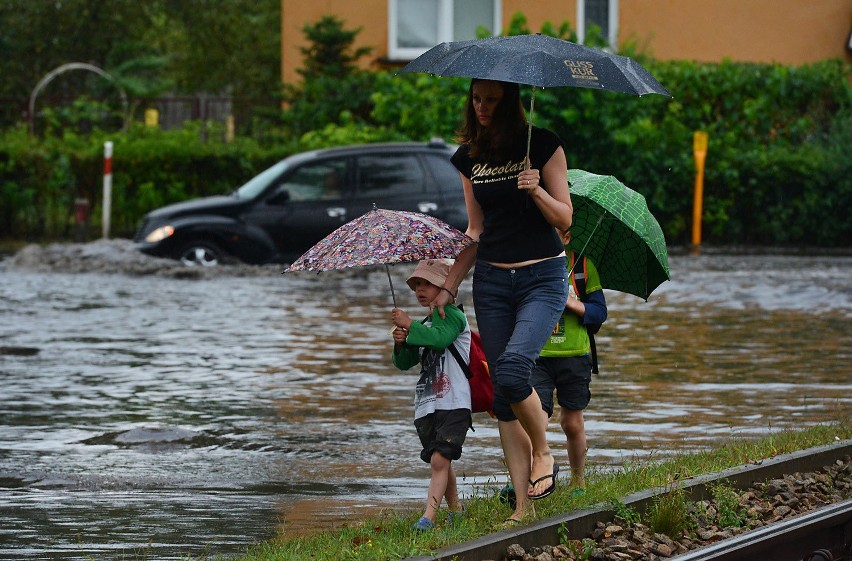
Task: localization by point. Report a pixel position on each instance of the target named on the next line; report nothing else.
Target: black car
(281, 213)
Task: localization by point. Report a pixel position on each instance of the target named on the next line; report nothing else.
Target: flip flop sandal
(549, 491)
(511, 523)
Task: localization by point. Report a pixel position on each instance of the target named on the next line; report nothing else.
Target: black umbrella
(537, 60)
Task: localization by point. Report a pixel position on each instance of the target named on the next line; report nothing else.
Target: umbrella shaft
(393, 296)
(529, 129)
(588, 239)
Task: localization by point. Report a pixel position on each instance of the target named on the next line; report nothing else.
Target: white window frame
(445, 28)
(613, 23)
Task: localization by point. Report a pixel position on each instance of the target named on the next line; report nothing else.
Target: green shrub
(627, 513)
(669, 513)
(776, 135)
(728, 509)
(42, 177)
(777, 169)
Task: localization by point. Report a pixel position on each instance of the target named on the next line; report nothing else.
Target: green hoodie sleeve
(407, 356)
(442, 333)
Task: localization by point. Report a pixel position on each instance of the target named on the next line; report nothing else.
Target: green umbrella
(614, 228)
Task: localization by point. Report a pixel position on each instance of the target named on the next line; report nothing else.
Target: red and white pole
(107, 205)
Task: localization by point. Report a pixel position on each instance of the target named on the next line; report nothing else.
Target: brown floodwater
(162, 415)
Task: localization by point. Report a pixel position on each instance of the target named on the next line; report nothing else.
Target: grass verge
(389, 536)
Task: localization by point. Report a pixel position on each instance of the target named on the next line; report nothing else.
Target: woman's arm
(466, 259)
(555, 201)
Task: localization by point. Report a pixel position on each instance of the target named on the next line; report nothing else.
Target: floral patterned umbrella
(383, 237)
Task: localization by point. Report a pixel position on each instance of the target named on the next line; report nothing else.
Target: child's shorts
(443, 432)
(570, 376)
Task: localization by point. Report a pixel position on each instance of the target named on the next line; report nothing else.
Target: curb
(582, 522)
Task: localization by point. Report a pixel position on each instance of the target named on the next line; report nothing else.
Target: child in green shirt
(442, 394)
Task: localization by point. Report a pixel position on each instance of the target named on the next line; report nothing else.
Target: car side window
(316, 181)
(390, 174)
(445, 173)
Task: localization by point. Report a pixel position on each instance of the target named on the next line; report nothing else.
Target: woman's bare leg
(533, 419)
(517, 451)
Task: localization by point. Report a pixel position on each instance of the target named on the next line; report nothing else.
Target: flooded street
(152, 412)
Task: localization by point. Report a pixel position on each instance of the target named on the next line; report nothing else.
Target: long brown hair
(509, 121)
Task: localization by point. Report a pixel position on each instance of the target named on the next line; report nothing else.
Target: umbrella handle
(529, 129)
(529, 140)
(393, 296)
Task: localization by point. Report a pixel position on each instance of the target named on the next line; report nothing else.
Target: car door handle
(336, 212)
(427, 207)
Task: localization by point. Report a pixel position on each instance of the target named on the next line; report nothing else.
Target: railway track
(821, 535)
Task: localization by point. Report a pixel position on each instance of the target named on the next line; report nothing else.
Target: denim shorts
(516, 310)
(570, 376)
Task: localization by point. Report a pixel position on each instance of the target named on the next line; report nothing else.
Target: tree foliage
(329, 53)
(777, 166)
(186, 46)
(331, 83)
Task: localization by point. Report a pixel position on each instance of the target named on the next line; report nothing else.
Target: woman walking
(517, 202)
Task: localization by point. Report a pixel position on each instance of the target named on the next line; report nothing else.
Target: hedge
(778, 170)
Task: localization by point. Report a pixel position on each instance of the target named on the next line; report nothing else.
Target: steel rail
(580, 523)
(824, 534)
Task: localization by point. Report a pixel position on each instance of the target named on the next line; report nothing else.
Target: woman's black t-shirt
(514, 228)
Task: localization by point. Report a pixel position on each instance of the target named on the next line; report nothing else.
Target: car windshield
(258, 183)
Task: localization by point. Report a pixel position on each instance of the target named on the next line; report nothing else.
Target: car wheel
(203, 254)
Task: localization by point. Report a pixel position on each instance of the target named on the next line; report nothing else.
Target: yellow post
(229, 129)
(152, 117)
(699, 150)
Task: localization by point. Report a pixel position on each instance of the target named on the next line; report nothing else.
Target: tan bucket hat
(432, 270)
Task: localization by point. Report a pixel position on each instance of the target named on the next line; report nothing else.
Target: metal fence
(172, 111)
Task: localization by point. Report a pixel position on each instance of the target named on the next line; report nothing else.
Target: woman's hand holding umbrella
(529, 180)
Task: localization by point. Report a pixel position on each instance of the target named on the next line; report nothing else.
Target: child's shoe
(507, 496)
(456, 517)
(423, 525)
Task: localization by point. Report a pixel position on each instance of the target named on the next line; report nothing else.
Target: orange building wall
(370, 15)
(554, 11)
(782, 31)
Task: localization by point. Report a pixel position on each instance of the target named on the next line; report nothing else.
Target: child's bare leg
(441, 467)
(575, 432)
(452, 493)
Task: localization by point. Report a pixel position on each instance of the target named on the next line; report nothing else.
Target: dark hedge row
(41, 178)
(778, 169)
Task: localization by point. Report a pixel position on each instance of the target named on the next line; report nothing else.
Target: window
(415, 26)
(445, 173)
(604, 14)
(389, 175)
(317, 181)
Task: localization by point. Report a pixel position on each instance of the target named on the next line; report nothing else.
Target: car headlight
(160, 234)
